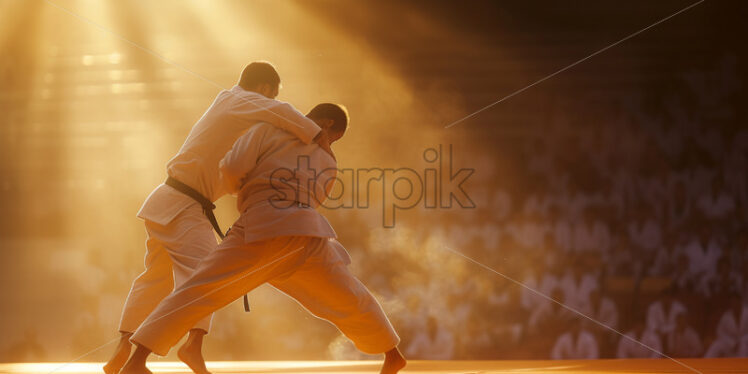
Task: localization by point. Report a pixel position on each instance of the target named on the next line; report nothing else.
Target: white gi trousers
(311, 270)
(173, 251)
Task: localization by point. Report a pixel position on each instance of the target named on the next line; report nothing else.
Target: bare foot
(129, 368)
(117, 361)
(393, 362)
(121, 353)
(191, 355)
(136, 363)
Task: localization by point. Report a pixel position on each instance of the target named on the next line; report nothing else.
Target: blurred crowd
(625, 240)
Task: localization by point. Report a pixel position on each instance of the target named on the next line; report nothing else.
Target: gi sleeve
(258, 108)
(241, 159)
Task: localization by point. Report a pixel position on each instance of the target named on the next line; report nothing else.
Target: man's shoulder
(261, 127)
(271, 139)
(240, 94)
(274, 132)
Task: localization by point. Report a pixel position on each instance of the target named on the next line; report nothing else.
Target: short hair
(257, 73)
(337, 113)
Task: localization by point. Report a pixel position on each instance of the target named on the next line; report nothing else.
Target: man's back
(196, 164)
(278, 181)
(231, 114)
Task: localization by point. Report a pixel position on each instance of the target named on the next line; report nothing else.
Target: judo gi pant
(173, 252)
(308, 269)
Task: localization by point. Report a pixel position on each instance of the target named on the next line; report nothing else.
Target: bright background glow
(92, 121)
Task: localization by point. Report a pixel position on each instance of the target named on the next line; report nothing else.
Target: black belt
(208, 208)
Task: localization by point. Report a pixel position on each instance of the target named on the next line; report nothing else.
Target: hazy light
(115, 58)
(115, 75)
(101, 134)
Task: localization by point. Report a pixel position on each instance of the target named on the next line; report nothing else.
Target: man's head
(332, 118)
(260, 77)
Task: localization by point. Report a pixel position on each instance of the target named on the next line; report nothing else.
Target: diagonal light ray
(572, 65)
(160, 56)
(569, 308)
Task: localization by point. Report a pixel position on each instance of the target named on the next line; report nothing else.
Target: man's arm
(255, 107)
(241, 158)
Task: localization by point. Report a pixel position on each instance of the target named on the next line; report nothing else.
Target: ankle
(195, 338)
(197, 334)
(394, 352)
(140, 356)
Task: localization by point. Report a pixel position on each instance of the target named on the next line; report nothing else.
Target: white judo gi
(178, 233)
(279, 239)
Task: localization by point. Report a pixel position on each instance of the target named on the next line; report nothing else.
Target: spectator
(703, 253)
(732, 331)
(550, 282)
(530, 300)
(665, 259)
(639, 342)
(549, 315)
(590, 234)
(684, 341)
(577, 284)
(602, 309)
(662, 314)
(683, 279)
(723, 283)
(645, 232)
(578, 343)
(433, 343)
(717, 203)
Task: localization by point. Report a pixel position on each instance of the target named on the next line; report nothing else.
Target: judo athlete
(279, 239)
(178, 214)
